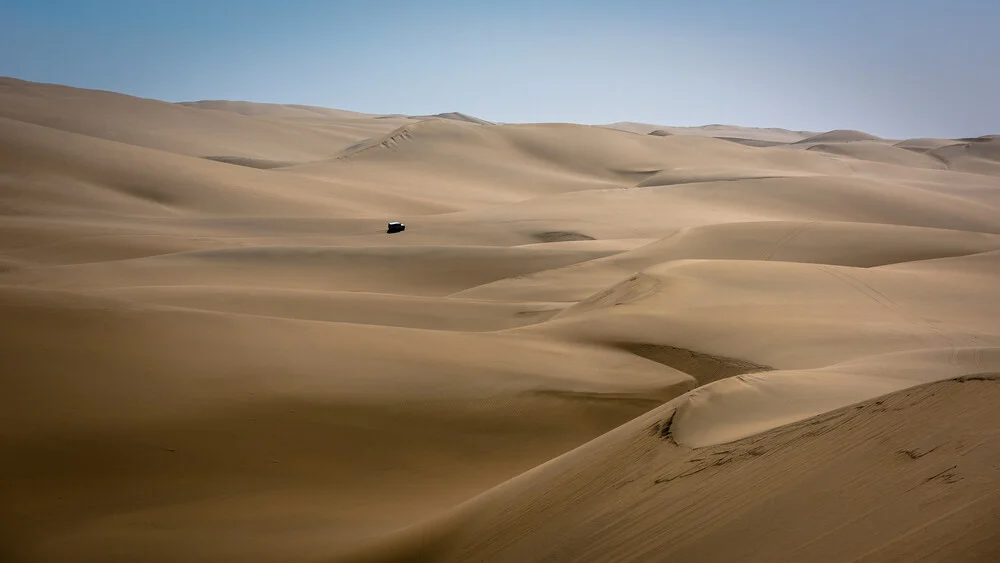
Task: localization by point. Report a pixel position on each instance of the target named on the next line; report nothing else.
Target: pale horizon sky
(893, 68)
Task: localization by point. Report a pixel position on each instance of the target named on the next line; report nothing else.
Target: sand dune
(421, 270)
(783, 315)
(470, 165)
(153, 412)
(54, 172)
(854, 484)
(880, 152)
(718, 130)
(347, 306)
(286, 111)
(839, 136)
(844, 244)
(925, 144)
(590, 343)
(978, 157)
(172, 127)
(457, 116)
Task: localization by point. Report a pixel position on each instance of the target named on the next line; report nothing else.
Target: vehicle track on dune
(890, 305)
(789, 237)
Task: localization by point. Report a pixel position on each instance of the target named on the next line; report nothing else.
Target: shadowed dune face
(590, 343)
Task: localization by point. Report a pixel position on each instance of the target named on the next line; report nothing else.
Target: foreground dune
(590, 343)
(880, 480)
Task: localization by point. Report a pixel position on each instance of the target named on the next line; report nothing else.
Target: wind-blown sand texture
(592, 343)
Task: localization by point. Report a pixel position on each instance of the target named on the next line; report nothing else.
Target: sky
(894, 68)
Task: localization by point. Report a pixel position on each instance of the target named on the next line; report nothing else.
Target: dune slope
(880, 480)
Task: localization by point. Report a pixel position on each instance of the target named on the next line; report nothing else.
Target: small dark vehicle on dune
(395, 227)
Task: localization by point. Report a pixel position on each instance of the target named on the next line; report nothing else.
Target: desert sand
(624, 342)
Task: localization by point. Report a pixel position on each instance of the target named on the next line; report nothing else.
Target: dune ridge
(608, 343)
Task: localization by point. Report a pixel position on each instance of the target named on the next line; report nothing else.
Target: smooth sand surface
(591, 343)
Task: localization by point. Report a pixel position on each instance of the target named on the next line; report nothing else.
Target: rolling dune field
(624, 342)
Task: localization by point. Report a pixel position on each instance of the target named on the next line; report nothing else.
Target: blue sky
(890, 67)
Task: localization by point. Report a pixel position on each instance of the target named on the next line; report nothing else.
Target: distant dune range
(622, 342)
